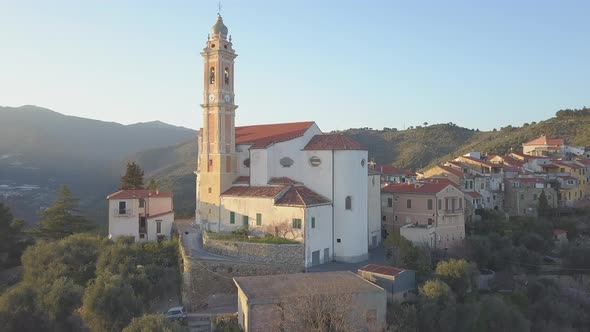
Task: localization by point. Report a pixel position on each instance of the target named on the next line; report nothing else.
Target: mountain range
(45, 148)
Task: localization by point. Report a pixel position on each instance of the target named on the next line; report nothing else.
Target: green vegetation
(243, 236)
(12, 240)
(133, 177)
(87, 281)
(62, 218)
(153, 323)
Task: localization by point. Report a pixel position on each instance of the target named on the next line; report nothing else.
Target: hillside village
(295, 229)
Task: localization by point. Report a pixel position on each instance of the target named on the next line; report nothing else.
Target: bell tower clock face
(211, 97)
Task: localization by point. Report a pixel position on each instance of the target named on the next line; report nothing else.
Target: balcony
(453, 211)
(122, 212)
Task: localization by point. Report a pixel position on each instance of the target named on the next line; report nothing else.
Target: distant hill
(41, 147)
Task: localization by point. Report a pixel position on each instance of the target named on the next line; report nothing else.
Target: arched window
(226, 75)
(348, 203)
(212, 75)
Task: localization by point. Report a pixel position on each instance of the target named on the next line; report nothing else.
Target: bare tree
(329, 309)
(284, 230)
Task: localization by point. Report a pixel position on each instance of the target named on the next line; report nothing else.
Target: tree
(133, 178)
(19, 312)
(153, 185)
(12, 239)
(436, 291)
(425, 123)
(109, 304)
(153, 323)
(497, 315)
(543, 203)
(62, 218)
(410, 256)
(58, 300)
(458, 274)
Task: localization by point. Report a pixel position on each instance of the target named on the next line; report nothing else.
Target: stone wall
(281, 254)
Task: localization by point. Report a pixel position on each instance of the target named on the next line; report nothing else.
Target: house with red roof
(399, 283)
(426, 213)
(145, 215)
(287, 175)
(545, 146)
(522, 195)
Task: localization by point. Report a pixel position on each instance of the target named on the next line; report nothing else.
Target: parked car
(176, 313)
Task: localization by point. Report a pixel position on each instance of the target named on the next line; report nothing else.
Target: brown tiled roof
(282, 181)
(389, 169)
(382, 269)
(584, 161)
(415, 188)
(332, 142)
(261, 136)
(435, 179)
(480, 161)
(249, 191)
(242, 179)
(275, 287)
(159, 214)
(301, 196)
(453, 171)
(473, 194)
(543, 140)
(570, 165)
(138, 193)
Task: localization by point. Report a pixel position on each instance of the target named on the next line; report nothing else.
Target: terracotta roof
(473, 194)
(439, 180)
(543, 140)
(332, 142)
(272, 288)
(301, 196)
(509, 168)
(381, 269)
(480, 161)
(242, 179)
(282, 181)
(584, 161)
(453, 171)
(138, 193)
(415, 188)
(261, 136)
(249, 191)
(548, 166)
(512, 161)
(389, 169)
(571, 165)
(558, 231)
(159, 214)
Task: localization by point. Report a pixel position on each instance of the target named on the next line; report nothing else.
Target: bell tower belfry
(217, 161)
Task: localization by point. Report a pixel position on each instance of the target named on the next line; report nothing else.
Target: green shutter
(312, 222)
(232, 217)
(258, 219)
(296, 223)
(245, 221)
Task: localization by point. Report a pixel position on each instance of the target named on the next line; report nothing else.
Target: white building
(146, 215)
(276, 177)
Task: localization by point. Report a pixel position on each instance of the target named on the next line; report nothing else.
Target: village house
(287, 302)
(522, 195)
(145, 215)
(391, 174)
(276, 176)
(399, 283)
(572, 178)
(426, 213)
(544, 146)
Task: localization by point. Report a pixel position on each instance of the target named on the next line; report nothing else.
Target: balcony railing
(122, 212)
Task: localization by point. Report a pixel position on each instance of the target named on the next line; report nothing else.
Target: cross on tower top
(219, 7)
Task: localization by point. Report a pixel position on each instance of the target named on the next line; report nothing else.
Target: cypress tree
(133, 178)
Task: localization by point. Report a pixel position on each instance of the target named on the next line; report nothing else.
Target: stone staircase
(199, 323)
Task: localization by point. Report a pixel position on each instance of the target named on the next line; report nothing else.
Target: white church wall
(243, 153)
(318, 238)
(290, 149)
(374, 210)
(258, 167)
(318, 178)
(350, 179)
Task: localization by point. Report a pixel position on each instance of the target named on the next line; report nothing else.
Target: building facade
(145, 215)
(287, 178)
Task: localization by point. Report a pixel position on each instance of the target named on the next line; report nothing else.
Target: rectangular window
(446, 204)
(461, 203)
(390, 202)
(312, 222)
(158, 226)
(430, 204)
(258, 219)
(245, 221)
(440, 204)
(122, 207)
(395, 218)
(409, 203)
(141, 202)
(296, 223)
(232, 217)
(430, 221)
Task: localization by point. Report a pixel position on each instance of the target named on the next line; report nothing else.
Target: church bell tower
(217, 161)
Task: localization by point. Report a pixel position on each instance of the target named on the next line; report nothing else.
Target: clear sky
(479, 64)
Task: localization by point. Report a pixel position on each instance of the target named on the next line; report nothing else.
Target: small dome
(219, 28)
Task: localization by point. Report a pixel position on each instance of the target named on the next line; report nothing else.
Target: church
(289, 178)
